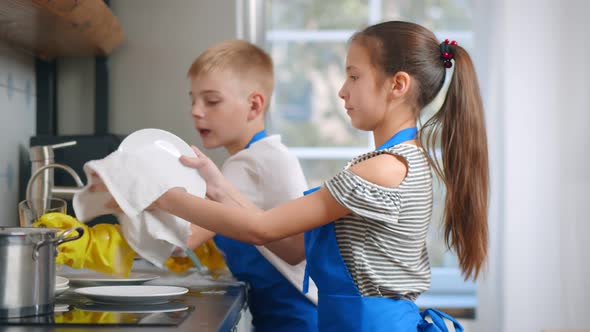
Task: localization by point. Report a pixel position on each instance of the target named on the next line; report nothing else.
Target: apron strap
(305, 280)
(438, 323)
(309, 191)
(257, 137)
(306, 274)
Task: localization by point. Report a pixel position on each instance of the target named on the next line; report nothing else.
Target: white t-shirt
(268, 174)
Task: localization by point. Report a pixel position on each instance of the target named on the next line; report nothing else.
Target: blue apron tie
(437, 321)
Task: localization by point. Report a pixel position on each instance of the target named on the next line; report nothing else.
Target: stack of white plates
(61, 285)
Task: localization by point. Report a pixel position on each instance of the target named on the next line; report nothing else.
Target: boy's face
(219, 108)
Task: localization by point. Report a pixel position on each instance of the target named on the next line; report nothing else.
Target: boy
(231, 86)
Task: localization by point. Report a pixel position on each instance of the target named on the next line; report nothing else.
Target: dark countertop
(214, 305)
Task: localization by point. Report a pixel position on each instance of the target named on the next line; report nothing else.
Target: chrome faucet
(42, 165)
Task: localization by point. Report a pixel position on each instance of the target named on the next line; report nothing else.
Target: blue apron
(275, 304)
(341, 307)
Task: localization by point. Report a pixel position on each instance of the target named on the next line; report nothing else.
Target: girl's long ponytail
(464, 170)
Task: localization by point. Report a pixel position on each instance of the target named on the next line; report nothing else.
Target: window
(307, 40)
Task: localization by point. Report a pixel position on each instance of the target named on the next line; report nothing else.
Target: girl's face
(365, 97)
(219, 108)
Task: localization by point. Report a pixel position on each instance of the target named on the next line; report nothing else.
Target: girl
(365, 229)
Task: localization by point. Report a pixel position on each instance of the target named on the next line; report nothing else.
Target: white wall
(531, 168)
(574, 158)
(148, 84)
(537, 104)
(17, 124)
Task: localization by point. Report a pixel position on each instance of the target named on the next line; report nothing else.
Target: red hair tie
(446, 55)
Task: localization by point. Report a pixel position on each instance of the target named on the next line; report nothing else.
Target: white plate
(133, 308)
(142, 294)
(61, 281)
(99, 279)
(61, 307)
(60, 290)
(174, 147)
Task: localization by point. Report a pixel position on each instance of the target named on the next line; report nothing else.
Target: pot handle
(62, 238)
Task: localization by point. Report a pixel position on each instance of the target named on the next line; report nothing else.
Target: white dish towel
(135, 181)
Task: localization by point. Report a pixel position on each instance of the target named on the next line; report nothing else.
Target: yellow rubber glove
(208, 255)
(102, 248)
(178, 264)
(90, 317)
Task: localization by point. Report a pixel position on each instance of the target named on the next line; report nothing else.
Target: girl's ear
(399, 85)
(257, 102)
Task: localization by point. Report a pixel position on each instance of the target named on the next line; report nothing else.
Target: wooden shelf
(50, 28)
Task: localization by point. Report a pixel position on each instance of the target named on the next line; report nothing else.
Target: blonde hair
(252, 64)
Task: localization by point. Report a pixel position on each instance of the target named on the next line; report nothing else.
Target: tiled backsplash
(17, 124)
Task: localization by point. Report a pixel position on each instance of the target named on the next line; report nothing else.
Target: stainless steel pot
(27, 269)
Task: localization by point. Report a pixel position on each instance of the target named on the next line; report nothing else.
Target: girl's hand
(99, 186)
(209, 171)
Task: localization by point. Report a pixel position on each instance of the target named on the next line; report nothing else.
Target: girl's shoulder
(387, 167)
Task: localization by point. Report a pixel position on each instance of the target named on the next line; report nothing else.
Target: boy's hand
(208, 170)
(101, 248)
